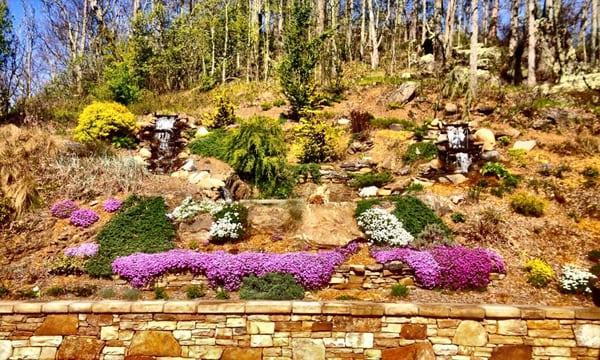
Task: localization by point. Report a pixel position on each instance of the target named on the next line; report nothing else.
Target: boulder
(264, 219)
(58, 325)
(403, 93)
(470, 333)
(328, 225)
(491, 155)
(486, 108)
(457, 179)
(154, 343)
(439, 204)
(526, 145)
(450, 109)
(343, 121)
(79, 347)
(145, 153)
(201, 132)
(486, 136)
(189, 165)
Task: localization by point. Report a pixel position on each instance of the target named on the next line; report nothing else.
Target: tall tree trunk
(449, 29)
(213, 50)
(135, 6)
(348, 23)
(363, 30)
(531, 81)
(424, 22)
(594, 33)
(473, 53)
(225, 45)
(267, 33)
(581, 40)
(373, 36)
(493, 33)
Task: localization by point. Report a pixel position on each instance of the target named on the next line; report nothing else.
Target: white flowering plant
(575, 280)
(189, 208)
(230, 223)
(383, 228)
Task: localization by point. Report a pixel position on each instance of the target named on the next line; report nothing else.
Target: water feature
(164, 138)
(459, 151)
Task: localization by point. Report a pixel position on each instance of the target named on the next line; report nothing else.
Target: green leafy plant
(458, 217)
(102, 121)
(195, 291)
(4, 292)
(420, 151)
(415, 215)
(56, 291)
(214, 144)
(504, 140)
(67, 265)
(266, 106)
(385, 123)
(400, 290)
(224, 114)
(364, 205)
(415, 187)
(122, 83)
(318, 140)
(306, 171)
(131, 294)
(140, 226)
(160, 293)
(222, 295)
(278, 102)
(301, 54)
(432, 235)
(539, 272)
(271, 286)
(124, 142)
(257, 151)
(371, 179)
(494, 169)
(528, 205)
(107, 293)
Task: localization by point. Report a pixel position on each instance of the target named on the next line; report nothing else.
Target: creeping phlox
(575, 280)
(383, 227)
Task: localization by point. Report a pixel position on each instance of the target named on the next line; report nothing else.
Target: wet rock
(492, 155)
(526, 145)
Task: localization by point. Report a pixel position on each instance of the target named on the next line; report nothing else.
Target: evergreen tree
(301, 55)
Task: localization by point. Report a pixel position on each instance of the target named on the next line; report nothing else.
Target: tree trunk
(531, 81)
(348, 23)
(581, 40)
(363, 31)
(424, 22)
(492, 34)
(373, 36)
(473, 54)
(225, 45)
(135, 6)
(449, 29)
(267, 32)
(594, 33)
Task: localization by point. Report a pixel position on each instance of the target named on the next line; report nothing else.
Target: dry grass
(22, 154)
(88, 177)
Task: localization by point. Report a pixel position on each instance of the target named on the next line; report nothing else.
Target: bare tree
(473, 50)
(531, 8)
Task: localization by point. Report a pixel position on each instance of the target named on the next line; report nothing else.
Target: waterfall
(464, 161)
(457, 137)
(164, 129)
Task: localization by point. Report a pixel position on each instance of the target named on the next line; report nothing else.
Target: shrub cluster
(102, 121)
(455, 267)
(195, 291)
(528, 205)
(508, 181)
(384, 228)
(224, 114)
(230, 223)
(140, 226)
(575, 280)
(415, 215)
(318, 140)
(214, 144)
(371, 179)
(271, 286)
(67, 265)
(540, 273)
(400, 290)
(420, 151)
(84, 218)
(228, 270)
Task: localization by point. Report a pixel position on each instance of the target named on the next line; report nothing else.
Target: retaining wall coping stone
(355, 308)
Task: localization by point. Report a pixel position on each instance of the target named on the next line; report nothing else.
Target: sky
(16, 9)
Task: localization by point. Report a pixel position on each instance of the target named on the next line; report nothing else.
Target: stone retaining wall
(284, 330)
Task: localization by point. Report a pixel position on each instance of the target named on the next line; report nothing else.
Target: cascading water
(164, 138)
(459, 151)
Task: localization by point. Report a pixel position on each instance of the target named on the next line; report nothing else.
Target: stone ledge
(354, 308)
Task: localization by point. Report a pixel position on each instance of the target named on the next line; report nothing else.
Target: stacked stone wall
(263, 330)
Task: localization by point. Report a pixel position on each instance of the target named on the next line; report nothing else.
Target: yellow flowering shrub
(540, 273)
(102, 120)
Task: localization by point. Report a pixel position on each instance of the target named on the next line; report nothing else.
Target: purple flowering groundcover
(83, 250)
(450, 267)
(311, 270)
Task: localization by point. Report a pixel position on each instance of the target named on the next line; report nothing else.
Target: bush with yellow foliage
(103, 121)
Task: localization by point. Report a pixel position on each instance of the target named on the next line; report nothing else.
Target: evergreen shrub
(271, 286)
